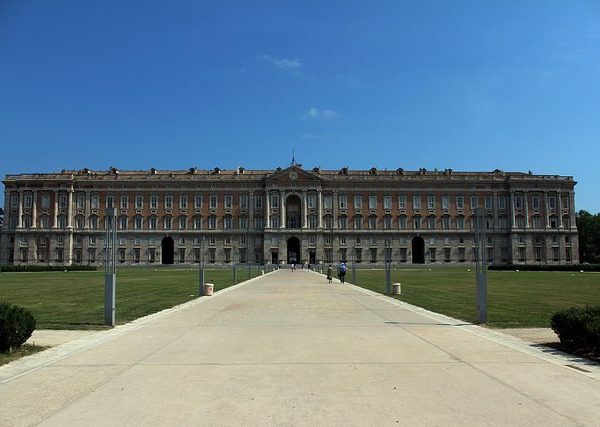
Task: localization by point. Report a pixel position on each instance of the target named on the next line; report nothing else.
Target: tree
(588, 226)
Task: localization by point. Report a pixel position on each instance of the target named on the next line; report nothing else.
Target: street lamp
(201, 269)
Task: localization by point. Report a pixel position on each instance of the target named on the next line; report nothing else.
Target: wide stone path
(289, 349)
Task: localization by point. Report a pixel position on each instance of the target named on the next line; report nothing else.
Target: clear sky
(467, 85)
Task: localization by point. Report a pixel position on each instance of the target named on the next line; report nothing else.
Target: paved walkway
(288, 349)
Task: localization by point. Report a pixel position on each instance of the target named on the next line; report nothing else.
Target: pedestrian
(293, 266)
(329, 273)
(342, 272)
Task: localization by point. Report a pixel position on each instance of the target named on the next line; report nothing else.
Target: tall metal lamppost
(110, 267)
(480, 265)
(388, 265)
(233, 263)
(201, 269)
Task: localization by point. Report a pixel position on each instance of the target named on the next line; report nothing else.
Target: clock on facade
(293, 175)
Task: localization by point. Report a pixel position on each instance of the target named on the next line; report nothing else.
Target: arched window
(62, 221)
(460, 222)
(312, 222)
(44, 221)
(520, 221)
(387, 222)
(372, 222)
(275, 221)
(122, 222)
(328, 222)
(139, 222)
(197, 222)
(417, 222)
(227, 222)
(358, 220)
(168, 222)
(553, 221)
(343, 222)
(446, 222)
(566, 222)
(212, 222)
(402, 222)
(27, 221)
(152, 222)
(79, 222)
(182, 222)
(93, 222)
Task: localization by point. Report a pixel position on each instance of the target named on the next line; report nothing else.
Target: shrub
(16, 326)
(9, 268)
(578, 327)
(537, 267)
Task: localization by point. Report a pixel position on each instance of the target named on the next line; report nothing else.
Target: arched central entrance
(292, 212)
(293, 250)
(418, 250)
(167, 250)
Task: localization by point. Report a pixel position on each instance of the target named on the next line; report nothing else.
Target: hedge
(578, 327)
(9, 268)
(537, 267)
(16, 326)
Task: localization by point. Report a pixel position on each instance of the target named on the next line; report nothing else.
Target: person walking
(342, 272)
(329, 273)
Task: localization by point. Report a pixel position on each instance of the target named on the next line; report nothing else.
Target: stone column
(304, 210)
(320, 210)
(547, 210)
(526, 205)
(572, 215)
(34, 209)
(495, 208)
(281, 209)
(251, 210)
(268, 209)
(7, 210)
(560, 212)
(335, 209)
(87, 203)
(70, 208)
(55, 223)
(512, 208)
(20, 212)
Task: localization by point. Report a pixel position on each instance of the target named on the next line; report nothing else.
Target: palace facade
(288, 215)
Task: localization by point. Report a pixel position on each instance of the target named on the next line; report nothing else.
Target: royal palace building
(288, 215)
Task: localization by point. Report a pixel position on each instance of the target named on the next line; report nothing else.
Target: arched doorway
(293, 250)
(167, 250)
(418, 250)
(293, 209)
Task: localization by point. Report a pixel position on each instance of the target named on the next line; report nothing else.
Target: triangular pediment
(293, 174)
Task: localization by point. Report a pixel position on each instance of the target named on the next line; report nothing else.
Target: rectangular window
(95, 201)
(45, 201)
(154, 201)
(535, 202)
(14, 201)
(243, 222)
(183, 202)
(312, 200)
(460, 222)
(447, 252)
(519, 202)
(228, 202)
(446, 222)
(136, 255)
(372, 201)
(461, 254)
(502, 202)
(124, 201)
(139, 202)
(372, 222)
(243, 201)
(474, 202)
(80, 200)
(258, 202)
(430, 202)
(416, 202)
(357, 201)
(197, 201)
(109, 201)
(28, 200)
(343, 200)
(151, 255)
(460, 202)
(403, 254)
(552, 202)
(401, 201)
(212, 255)
(274, 200)
(402, 223)
(213, 201)
(568, 256)
(387, 222)
(417, 222)
(431, 222)
(487, 201)
(358, 222)
(327, 201)
(168, 201)
(387, 202)
(445, 202)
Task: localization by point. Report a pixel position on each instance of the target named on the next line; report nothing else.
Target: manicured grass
(75, 300)
(515, 299)
(24, 350)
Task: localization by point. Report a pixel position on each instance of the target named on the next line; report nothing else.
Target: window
(460, 222)
(552, 202)
(258, 202)
(213, 201)
(535, 202)
(183, 202)
(372, 201)
(327, 201)
(521, 239)
(447, 252)
(403, 255)
(446, 222)
(502, 222)
(568, 256)
(124, 201)
(168, 222)
(92, 255)
(197, 222)
(553, 221)
(26, 221)
(432, 254)
(274, 200)
(152, 222)
(487, 202)
(228, 222)
(343, 222)
(357, 201)
(431, 222)
(536, 221)
(62, 221)
(521, 254)
(312, 200)
(538, 253)
(243, 201)
(139, 202)
(93, 222)
(258, 222)
(474, 202)
(519, 202)
(445, 202)
(80, 201)
(520, 221)
(45, 221)
(461, 254)
(502, 202)
(328, 222)
(121, 255)
(79, 222)
(357, 222)
(402, 222)
(168, 201)
(212, 222)
(182, 222)
(197, 201)
(95, 201)
(243, 222)
(181, 255)
(460, 202)
(136, 255)
(28, 200)
(387, 222)
(228, 202)
(154, 201)
(275, 221)
(139, 222)
(312, 222)
(343, 201)
(430, 202)
(372, 222)
(151, 255)
(416, 202)
(432, 241)
(401, 201)
(373, 252)
(110, 201)
(387, 202)
(45, 201)
(417, 222)
(122, 223)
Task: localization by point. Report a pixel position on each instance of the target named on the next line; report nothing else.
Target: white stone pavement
(289, 349)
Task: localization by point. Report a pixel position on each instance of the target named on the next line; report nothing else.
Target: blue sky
(467, 85)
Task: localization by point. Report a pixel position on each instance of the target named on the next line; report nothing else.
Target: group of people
(294, 266)
(342, 269)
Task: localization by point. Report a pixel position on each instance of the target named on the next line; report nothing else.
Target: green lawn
(515, 299)
(75, 300)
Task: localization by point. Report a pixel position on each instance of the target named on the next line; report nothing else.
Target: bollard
(208, 289)
(396, 288)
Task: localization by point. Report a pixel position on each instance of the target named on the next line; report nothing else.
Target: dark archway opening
(293, 250)
(167, 250)
(418, 250)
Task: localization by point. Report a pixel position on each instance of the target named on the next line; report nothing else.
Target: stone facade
(285, 215)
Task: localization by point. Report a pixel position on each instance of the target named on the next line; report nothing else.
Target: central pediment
(293, 174)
